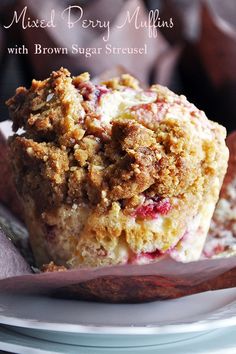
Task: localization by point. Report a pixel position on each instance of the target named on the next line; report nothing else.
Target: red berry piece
(153, 209)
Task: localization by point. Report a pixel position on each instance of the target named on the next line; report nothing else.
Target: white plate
(97, 324)
(221, 341)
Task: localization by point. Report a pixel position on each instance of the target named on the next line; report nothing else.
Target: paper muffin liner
(166, 279)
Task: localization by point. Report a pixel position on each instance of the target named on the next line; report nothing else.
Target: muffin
(113, 173)
(221, 240)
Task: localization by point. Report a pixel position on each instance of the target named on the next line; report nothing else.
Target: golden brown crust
(125, 80)
(42, 167)
(49, 109)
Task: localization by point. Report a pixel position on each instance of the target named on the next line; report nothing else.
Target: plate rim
(199, 326)
(210, 322)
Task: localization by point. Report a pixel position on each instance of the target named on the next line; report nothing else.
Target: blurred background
(197, 57)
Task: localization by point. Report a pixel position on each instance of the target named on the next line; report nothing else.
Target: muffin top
(96, 144)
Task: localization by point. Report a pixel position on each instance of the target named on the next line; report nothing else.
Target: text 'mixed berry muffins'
(112, 173)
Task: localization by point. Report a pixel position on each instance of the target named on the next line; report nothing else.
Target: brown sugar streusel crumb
(51, 267)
